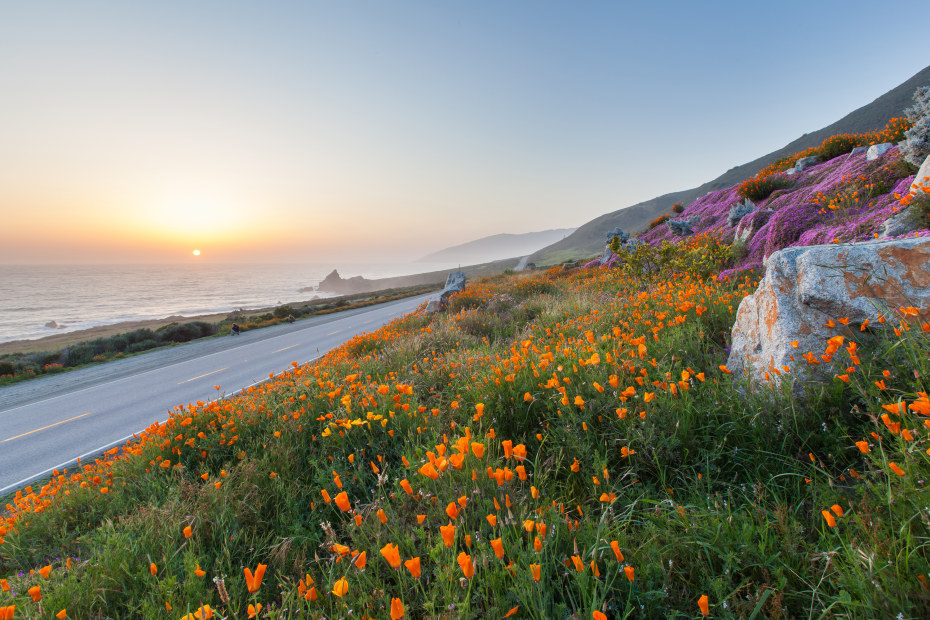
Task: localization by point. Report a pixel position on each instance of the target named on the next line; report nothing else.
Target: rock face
(804, 288)
(877, 150)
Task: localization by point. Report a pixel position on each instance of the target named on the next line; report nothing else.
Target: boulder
(922, 179)
(51, 324)
(877, 150)
(903, 222)
(806, 162)
(857, 150)
(750, 224)
(807, 288)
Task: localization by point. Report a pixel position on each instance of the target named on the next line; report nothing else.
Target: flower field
(557, 445)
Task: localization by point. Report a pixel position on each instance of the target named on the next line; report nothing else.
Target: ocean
(77, 297)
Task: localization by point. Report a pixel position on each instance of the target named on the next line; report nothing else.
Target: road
(48, 423)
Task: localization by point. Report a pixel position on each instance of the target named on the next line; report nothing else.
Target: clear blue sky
(304, 131)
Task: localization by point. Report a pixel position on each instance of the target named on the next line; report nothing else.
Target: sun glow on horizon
(196, 252)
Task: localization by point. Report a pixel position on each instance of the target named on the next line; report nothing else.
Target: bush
(756, 189)
(7, 368)
(174, 332)
(916, 146)
(678, 207)
(659, 220)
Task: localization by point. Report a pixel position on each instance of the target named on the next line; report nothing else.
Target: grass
(576, 424)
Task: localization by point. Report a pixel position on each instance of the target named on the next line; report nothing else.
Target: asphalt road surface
(48, 423)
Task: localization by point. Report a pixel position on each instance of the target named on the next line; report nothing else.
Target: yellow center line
(334, 333)
(286, 348)
(205, 375)
(46, 427)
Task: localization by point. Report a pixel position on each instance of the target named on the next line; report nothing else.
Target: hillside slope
(588, 239)
(497, 247)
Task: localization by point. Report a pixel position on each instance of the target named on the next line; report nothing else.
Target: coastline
(367, 288)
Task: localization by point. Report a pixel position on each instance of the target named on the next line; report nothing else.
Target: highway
(50, 422)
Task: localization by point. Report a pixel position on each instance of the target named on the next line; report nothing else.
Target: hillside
(589, 238)
(497, 247)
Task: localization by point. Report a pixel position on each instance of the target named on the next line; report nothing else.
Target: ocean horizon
(77, 297)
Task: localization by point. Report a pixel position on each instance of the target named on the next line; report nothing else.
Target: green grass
(718, 489)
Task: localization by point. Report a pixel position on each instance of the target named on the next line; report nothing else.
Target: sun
(196, 252)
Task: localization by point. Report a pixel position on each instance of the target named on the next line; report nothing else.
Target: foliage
(756, 188)
(740, 210)
(841, 144)
(916, 146)
(659, 220)
(566, 445)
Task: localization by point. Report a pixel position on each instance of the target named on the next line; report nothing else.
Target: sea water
(77, 297)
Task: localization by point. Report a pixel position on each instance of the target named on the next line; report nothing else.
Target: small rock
(52, 324)
(806, 162)
(903, 223)
(877, 150)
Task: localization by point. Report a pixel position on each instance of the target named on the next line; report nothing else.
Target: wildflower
(863, 446)
(828, 517)
(45, 571)
(361, 560)
(468, 567)
(341, 587)
(512, 611)
(397, 609)
(448, 534)
(36, 593)
(199, 571)
(703, 606)
(188, 532)
(413, 565)
(342, 500)
(254, 609)
(498, 546)
(629, 570)
(153, 568)
(61, 615)
(391, 554)
(534, 571)
(894, 467)
(254, 582)
(616, 548)
(579, 566)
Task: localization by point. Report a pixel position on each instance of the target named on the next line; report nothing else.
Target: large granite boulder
(455, 282)
(806, 289)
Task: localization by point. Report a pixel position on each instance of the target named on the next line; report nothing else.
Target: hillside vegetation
(588, 239)
(558, 444)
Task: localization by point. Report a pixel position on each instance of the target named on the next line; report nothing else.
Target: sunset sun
(196, 252)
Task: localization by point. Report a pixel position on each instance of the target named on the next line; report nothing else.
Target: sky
(304, 131)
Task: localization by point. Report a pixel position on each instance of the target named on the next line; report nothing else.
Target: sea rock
(877, 150)
(750, 224)
(806, 287)
(52, 324)
(334, 283)
(806, 162)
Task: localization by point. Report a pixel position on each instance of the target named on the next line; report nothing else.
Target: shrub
(678, 207)
(659, 220)
(7, 368)
(916, 146)
(834, 146)
(739, 210)
(759, 189)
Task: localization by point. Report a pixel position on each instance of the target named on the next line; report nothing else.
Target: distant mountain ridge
(497, 247)
(589, 238)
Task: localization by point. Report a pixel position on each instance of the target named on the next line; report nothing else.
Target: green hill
(588, 239)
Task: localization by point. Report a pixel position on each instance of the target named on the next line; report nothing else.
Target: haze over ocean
(84, 296)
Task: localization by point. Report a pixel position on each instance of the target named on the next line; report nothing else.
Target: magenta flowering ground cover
(845, 199)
